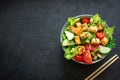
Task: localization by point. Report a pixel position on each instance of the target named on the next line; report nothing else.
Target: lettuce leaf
(67, 53)
(95, 18)
(111, 44)
(71, 21)
(70, 52)
(109, 31)
(102, 22)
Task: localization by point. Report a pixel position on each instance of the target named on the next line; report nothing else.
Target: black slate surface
(30, 47)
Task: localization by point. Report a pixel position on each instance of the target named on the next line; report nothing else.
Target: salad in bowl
(86, 39)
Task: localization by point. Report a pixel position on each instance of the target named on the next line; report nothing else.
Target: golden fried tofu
(77, 40)
(76, 30)
(84, 35)
(104, 41)
(84, 26)
(81, 49)
(92, 29)
(99, 28)
(78, 24)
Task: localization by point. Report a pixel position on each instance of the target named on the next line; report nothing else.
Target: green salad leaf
(74, 50)
(95, 18)
(70, 52)
(67, 53)
(109, 31)
(71, 21)
(64, 36)
(111, 44)
(103, 23)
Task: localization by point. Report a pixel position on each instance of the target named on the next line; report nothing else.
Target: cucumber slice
(103, 49)
(69, 35)
(68, 42)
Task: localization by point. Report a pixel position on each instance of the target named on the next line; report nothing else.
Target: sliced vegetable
(100, 35)
(87, 57)
(85, 20)
(79, 58)
(103, 49)
(69, 35)
(68, 42)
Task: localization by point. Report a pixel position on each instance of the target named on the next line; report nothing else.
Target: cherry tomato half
(85, 20)
(87, 57)
(100, 35)
(79, 58)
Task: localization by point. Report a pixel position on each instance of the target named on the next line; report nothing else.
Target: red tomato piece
(100, 35)
(85, 20)
(87, 57)
(79, 58)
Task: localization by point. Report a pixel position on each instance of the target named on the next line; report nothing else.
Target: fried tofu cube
(84, 26)
(99, 28)
(72, 29)
(78, 24)
(92, 29)
(81, 49)
(77, 40)
(84, 35)
(104, 41)
(76, 30)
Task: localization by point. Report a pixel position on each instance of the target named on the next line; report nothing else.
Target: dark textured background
(30, 48)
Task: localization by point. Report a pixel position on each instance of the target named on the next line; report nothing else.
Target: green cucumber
(69, 35)
(67, 42)
(103, 49)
